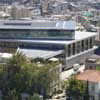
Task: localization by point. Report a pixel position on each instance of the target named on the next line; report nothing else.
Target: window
(82, 44)
(69, 50)
(92, 87)
(92, 98)
(86, 44)
(30, 34)
(73, 49)
(91, 42)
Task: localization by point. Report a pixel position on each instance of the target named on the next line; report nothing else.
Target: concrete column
(66, 50)
(78, 44)
(71, 50)
(76, 48)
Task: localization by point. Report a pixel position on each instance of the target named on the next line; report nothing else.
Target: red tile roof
(89, 75)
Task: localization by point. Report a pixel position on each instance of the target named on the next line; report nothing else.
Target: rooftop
(37, 24)
(89, 75)
(36, 53)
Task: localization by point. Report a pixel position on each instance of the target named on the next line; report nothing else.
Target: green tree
(34, 97)
(37, 75)
(75, 89)
(11, 71)
(12, 95)
(14, 64)
(27, 77)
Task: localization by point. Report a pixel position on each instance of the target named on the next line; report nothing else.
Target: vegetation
(97, 67)
(19, 75)
(75, 89)
(34, 97)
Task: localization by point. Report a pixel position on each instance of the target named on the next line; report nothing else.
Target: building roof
(37, 24)
(37, 53)
(89, 75)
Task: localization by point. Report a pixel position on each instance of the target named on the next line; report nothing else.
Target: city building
(20, 11)
(47, 39)
(6, 1)
(92, 77)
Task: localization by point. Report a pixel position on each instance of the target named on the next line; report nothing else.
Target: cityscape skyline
(49, 49)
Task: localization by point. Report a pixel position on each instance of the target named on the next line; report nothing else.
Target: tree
(12, 71)
(27, 77)
(34, 97)
(75, 89)
(38, 74)
(12, 95)
(14, 64)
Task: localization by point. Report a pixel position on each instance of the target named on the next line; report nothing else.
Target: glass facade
(30, 45)
(69, 50)
(86, 44)
(83, 46)
(73, 50)
(31, 34)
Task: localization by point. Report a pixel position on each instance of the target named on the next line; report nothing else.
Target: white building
(47, 39)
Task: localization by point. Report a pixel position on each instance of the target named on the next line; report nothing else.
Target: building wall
(20, 12)
(79, 59)
(94, 90)
(78, 52)
(31, 34)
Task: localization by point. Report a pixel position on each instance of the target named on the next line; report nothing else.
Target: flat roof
(89, 75)
(78, 36)
(37, 53)
(37, 24)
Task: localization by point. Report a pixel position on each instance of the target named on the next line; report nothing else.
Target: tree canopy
(19, 76)
(75, 89)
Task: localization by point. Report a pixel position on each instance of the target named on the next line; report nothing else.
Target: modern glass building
(36, 34)
(60, 30)
(47, 39)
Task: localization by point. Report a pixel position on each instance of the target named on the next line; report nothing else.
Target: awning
(37, 53)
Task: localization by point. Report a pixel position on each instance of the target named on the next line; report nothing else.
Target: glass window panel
(28, 34)
(86, 44)
(73, 49)
(82, 45)
(91, 42)
(69, 50)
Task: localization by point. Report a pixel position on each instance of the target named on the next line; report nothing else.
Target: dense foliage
(20, 75)
(75, 89)
(34, 97)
